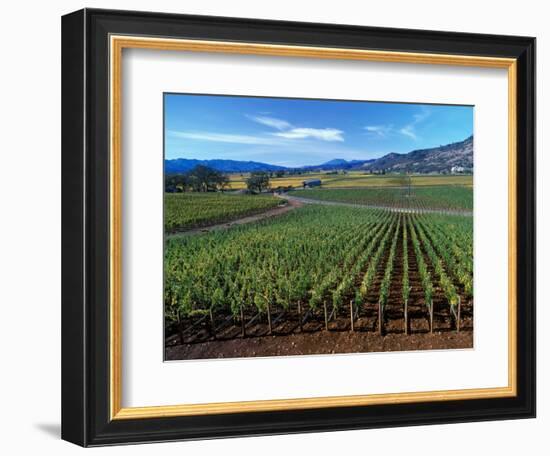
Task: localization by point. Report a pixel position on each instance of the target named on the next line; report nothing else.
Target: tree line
(205, 179)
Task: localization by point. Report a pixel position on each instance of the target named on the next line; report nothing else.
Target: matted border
(116, 46)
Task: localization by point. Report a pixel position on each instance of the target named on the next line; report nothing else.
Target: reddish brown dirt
(321, 342)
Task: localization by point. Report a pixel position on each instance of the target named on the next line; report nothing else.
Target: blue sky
(297, 132)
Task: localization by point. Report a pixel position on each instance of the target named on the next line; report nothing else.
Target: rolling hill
(434, 160)
(437, 159)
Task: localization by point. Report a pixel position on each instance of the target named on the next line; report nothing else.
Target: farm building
(457, 169)
(311, 183)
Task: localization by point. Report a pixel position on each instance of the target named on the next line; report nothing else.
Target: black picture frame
(85, 228)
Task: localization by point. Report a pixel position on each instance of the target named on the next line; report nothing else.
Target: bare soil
(321, 342)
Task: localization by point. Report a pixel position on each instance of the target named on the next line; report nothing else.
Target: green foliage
(303, 255)
(425, 276)
(445, 197)
(455, 247)
(258, 182)
(406, 289)
(370, 274)
(183, 211)
(313, 255)
(200, 179)
(386, 280)
(449, 290)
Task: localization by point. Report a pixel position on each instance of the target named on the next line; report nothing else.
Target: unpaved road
(299, 199)
(291, 204)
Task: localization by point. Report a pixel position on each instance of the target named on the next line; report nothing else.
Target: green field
(318, 256)
(437, 197)
(184, 211)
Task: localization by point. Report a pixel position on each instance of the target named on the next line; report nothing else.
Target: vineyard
(183, 211)
(446, 198)
(322, 268)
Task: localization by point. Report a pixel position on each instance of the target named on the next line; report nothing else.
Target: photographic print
(309, 227)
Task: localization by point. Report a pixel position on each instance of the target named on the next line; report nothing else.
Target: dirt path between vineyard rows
(406, 210)
(290, 205)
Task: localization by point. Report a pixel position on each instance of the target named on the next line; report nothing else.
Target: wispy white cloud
(410, 129)
(420, 117)
(323, 134)
(288, 131)
(223, 137)
(272, 122)
(381, 131)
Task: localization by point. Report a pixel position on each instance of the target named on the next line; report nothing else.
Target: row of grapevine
(456, 265)
(445, 282)
(405, 286)
(386, 280)
(430, 198)
(184, 211)
(425, 276)
(337, 279)
(347, 283)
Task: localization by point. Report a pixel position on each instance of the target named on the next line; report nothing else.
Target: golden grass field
(355, 179)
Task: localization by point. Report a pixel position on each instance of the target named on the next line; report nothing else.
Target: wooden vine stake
(300, 314)
(458, 316)
(243, 331)
(326, 316)
(269, 318)
(351, 314)
(212, 326)
(180, 330)
(406, 312)
(431, 316)
(379, 317)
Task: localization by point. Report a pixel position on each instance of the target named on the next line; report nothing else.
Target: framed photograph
(278, 227)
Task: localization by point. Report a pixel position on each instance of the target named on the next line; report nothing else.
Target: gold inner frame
(117, 44)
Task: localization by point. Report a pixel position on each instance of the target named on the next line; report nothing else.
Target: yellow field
(355, 179)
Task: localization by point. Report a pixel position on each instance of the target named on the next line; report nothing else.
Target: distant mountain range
(182, 165)
(433, 160)
(339, 163)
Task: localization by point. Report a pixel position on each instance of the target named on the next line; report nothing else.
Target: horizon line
(320, 164)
